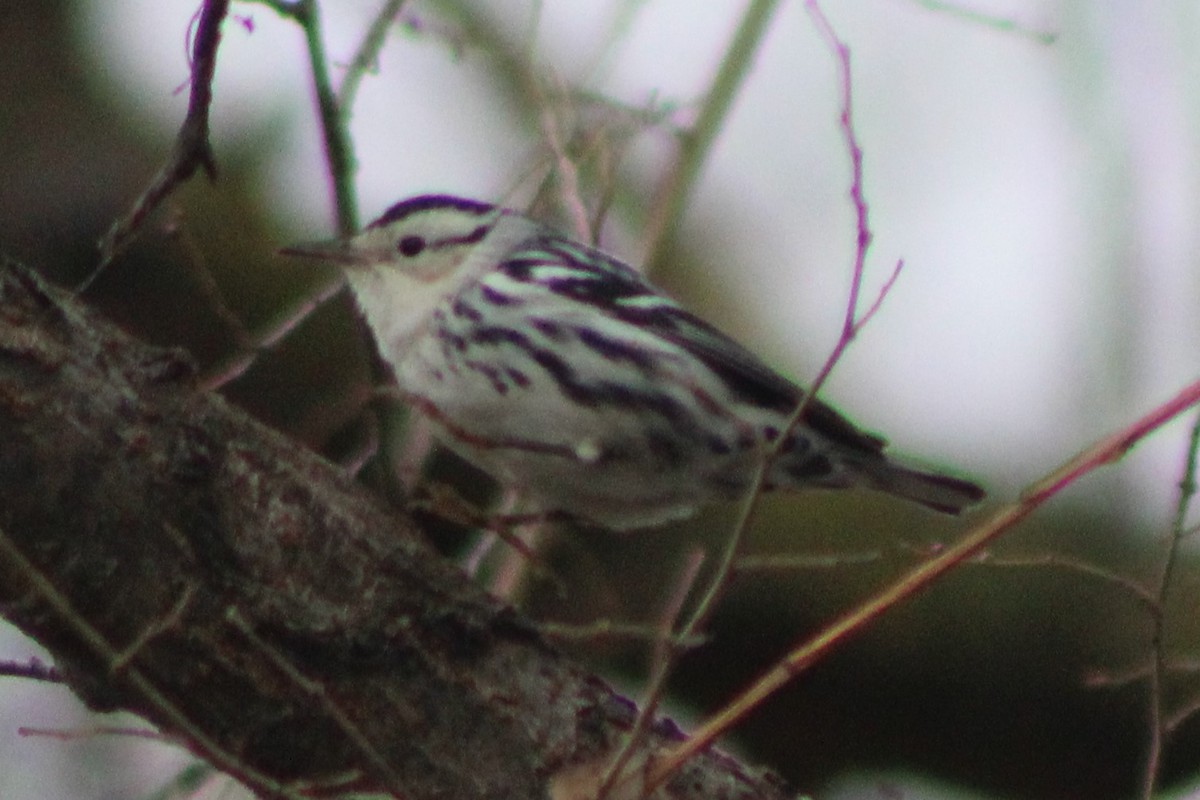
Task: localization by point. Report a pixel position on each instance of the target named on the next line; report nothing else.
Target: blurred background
(1033, 163)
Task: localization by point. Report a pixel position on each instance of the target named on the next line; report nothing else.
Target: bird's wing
(582, 274)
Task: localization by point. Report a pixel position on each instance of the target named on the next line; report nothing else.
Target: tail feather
(938, 492)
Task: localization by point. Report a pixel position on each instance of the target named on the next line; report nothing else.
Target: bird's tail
(938, 492)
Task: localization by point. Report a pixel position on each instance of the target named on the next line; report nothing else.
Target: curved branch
(192, 149)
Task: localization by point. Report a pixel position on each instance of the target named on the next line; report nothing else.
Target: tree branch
(185, 563)
(192, 149)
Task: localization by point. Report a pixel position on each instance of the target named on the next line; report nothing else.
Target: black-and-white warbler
(568, 377)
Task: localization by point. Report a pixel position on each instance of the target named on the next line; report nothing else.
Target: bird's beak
(335, 251)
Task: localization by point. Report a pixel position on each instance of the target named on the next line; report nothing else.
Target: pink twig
(813, 648)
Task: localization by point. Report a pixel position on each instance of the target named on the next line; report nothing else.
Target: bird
(567, 376)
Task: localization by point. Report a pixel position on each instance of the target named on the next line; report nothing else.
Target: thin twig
(168, 621)
(339, 152)
(339, 156)
(210, 291)
(884, 291)
(354, 733)
(814, 648)
(32, 669)
(1182, 714)
(852, 321)
(795, 563)
(65, 735)
(566, 173)
(602, 629)
(367, 55)
(1099, 679)
(41, 586)
(192, 148)
(851, 325)
(442, 501)
(1156, 720)
(269, 335)
(660, 670)
(695, 143)
(1145, 598)
(1115, 679)
(990, 21)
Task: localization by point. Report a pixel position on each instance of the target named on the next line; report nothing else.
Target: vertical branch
(339, 152)
(339, 155)
(666, 649)
(852, 323)
(1156, 721)
(696, 142)
(566, 173)
(334, 110)
(857, 196)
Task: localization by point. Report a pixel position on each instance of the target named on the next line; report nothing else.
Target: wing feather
(611, 287)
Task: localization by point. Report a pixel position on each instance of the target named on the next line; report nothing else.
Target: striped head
(417, 253)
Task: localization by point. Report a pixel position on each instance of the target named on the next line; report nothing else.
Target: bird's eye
(410, 246)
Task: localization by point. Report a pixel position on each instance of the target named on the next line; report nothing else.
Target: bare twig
(33, 669)
(666, 647)
(795, 563)
(602, 629)
(210, 291)
(42, 587)
(852, 324)
(1115, 678)
(587, 137)
(1182, 714)
(1156, 719)
(367, 54)
(990, 21)
(339, 156)
(816, 647)
(1145, 598)
(339, 152)
(168, 621)
(192, 148)
(853, 320)
(64, 735)
(695, 143)
(1098, 679)
(271, 334)
(315, 689)
(565, 172)
(443, 502)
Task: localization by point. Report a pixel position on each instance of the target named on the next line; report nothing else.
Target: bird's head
(425, 238)
(416, 254)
